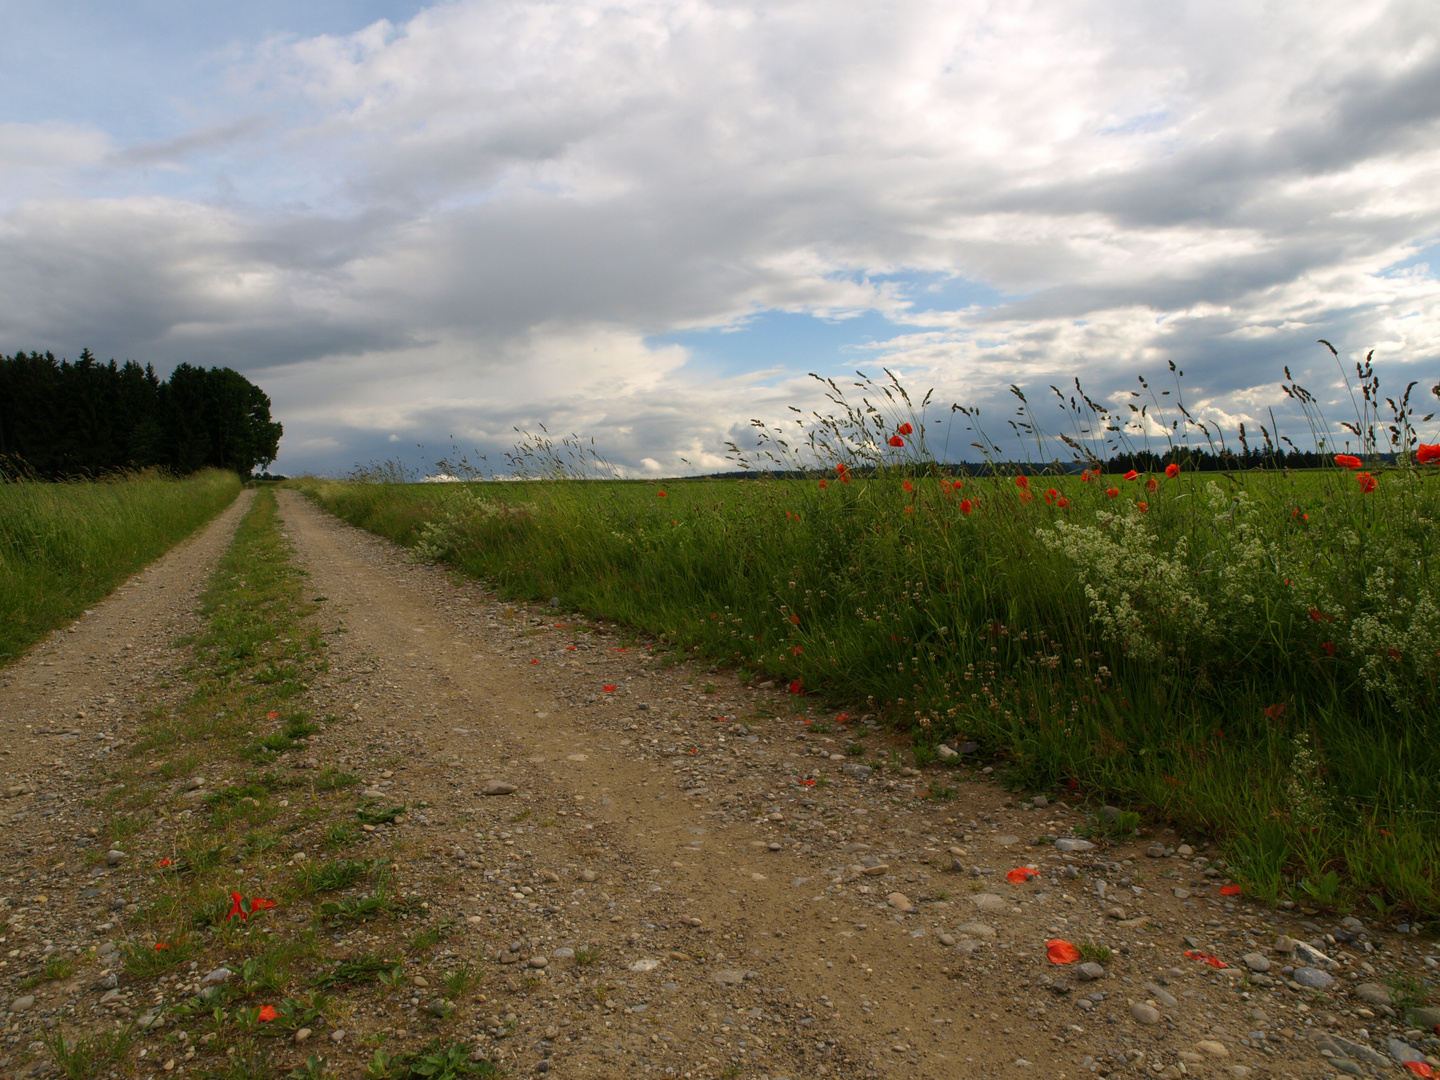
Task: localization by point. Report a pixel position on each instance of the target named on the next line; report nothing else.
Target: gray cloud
(476, 219)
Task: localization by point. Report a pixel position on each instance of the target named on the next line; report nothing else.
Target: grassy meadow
(1251, 654)
(65, 545)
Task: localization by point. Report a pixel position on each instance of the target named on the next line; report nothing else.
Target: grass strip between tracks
(65, 545)
(227, 879)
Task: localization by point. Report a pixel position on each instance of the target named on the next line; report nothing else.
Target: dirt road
(681, 875)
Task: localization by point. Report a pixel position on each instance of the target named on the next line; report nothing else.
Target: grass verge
(66, 545)
(1253, 656)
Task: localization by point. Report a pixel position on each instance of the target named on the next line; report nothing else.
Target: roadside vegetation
(1251, 653)
(66, 545)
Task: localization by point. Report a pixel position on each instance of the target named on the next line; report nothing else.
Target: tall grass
(1253, 655)
(66, 545)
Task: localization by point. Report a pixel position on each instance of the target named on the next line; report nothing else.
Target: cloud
(476, 219)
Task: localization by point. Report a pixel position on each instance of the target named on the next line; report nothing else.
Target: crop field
(66, 545)
(1251, 654)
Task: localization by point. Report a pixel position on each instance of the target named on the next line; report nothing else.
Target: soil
(751, 900)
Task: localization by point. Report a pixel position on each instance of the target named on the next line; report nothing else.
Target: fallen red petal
(1020, 875)
(1231, 890)
(1213, 961)
(1061, 952)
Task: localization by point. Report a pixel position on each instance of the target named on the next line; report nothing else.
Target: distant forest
(60, 419)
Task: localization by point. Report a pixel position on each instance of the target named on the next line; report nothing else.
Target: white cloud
(474, 220)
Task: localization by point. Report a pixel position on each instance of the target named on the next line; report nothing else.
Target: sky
(422, 228)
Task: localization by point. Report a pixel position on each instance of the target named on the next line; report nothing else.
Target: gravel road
(752, 900)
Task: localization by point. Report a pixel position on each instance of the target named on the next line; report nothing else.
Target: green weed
(364, 968)
(89, 1056)
(331, 876)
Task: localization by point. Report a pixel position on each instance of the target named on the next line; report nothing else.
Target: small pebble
(900, 902)
(1313, 978)
(499, 787)
(1256, 961)
(1145, 1014)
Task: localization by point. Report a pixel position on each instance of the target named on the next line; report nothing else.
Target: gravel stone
(1373, 994)
(1313, 978)
(1145, 1014)
(1256, 961)
(499, 787)
(1073, 845)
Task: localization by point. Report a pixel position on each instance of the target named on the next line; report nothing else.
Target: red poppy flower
(1172, 471)
(1061, 952)
(267, 1013)
(1276, 711)
(260, 903)
(796, 688)
(908, 486)
(160, 946)
(1366, 481)
(237, 907)
(844, 478)
(1348, 461)
(534, 661)
(840, 469)
(1025, 496)
(1213, 961)
(1427, 453)
(1087, 476)
(1131, 475)
(609, 688)
(1329, 647)
(1020, 875)
(1143, 507)
(1113, 492)
(660, 494)
(1062, 502)
(1231, 890)
(1316, 615)
(796, 651)
(905, 429)
(164, 862)
(824, 483)
(1152, 485)
(272, 715)
(1050, 496)
(958, 484)
(896, 440)
(1022, 482)
(966, 506)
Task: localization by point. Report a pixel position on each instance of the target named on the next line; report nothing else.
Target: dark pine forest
(61, 420)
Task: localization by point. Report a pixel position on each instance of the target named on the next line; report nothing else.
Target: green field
(1254, 655)
(65, 545)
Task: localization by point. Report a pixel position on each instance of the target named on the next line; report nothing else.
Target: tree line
(60, 419)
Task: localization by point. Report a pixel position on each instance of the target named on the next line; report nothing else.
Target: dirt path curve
(764, 906)
(65, 701)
